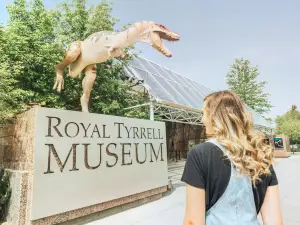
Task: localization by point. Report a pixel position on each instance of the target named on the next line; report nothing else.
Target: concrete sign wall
(82, 159)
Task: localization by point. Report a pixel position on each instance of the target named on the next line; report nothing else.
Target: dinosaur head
(156, 33)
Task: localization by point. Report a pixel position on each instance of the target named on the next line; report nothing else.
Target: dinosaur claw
(59, 83)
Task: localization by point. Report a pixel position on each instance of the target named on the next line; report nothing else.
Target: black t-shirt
(208, 168)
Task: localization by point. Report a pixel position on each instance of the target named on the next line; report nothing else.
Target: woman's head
(226, 114)
(226, 118)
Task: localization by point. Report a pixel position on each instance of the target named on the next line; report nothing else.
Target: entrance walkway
(175, 170)
(170, 209)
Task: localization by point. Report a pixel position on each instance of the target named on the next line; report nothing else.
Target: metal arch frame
(178, 115)
(266, 130)
(181, 115)
(171, 113)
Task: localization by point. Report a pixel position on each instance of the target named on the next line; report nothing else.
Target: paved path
(288, 174)
(170, 209)
(175, 170)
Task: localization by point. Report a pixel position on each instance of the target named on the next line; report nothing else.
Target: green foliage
(75, 21)
(34, 41)
(11, 97)
(5, 193)
(289, 124)
(242, 79)
(30, 54)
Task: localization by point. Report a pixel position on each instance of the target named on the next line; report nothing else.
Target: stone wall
(17, 148)
(18, 143)
(5, 142)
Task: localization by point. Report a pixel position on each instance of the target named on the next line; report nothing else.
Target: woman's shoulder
(206, 154)
(269, 179)
(205, 149)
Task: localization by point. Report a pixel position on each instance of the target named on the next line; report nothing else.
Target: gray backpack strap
(214, 141)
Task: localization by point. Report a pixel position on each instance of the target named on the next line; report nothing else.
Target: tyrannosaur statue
(82, 56)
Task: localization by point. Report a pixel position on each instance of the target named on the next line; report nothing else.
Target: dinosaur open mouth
(157, 37)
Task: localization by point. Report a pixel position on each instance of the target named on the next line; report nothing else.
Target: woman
(230, 178)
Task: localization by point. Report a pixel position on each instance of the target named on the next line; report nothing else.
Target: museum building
(178, 101)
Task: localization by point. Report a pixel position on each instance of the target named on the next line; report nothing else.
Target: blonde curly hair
(233, 128)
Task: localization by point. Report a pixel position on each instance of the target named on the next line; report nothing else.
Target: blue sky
(214, 33)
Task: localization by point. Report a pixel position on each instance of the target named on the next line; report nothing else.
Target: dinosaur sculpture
(82, 56)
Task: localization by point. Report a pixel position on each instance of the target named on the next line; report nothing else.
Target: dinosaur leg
(87, 85)
(124, 56)
(121, 54)
(110, 51)
(114, 51)
(71, 55)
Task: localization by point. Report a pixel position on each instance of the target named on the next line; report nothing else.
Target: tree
(5, 193)
(31, 51)
(242, 79)
(289, 124)
(34, 41)
(11, 98)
